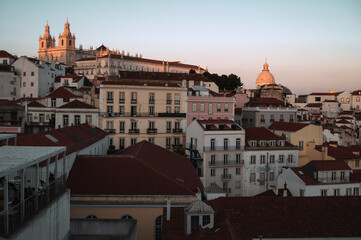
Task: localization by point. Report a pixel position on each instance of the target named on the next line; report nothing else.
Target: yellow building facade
(136, 111)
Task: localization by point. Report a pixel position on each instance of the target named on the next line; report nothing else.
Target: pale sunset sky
(310, 45)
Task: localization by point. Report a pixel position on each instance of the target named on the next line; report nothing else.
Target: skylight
(52, 138)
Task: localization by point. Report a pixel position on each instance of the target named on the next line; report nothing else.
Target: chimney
(168, 209)
(285, 190)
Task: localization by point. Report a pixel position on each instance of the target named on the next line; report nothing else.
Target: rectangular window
(109, 109)
(133, 141)
(176, 109)
(317, 99)
(226, 107)
(262, 118)
(134, 97)
(219, 107)
(213, 144)
(356, 191)
(24, 84)
(151, 140)
(271, 176)
(357, 99)
(225, 144)
(121, 143)
(357, 163)
(213, 172)
(176, 141)
(272, 118)
(41, 118)
(202, 107)
(77, 119)
(291, 118)
(24, 74)
(281, 118)
(238, 143)
(121, 126)
(281, 158)
(324, 192)
(32, 73)
(121, 97)
(302, 193)
(169, 127)
(151, 110)
(262, 177)
(65, 99)
(167, 142)
(252, 177)
(65, 120)
(263, 159)
(336, 192)
(238, 158)
(213, 159)
(133, 111)
(290, 158)
(177, 98)
(342, 99)
(151, 98)
(194, 107)
(210, 108)
(88, 119)
(238, 171)
(238, 184)
(109, 97)
(169, 98)
(348, 191)
(32, 84)
(53, 102)
(333, 176)
(300, 145)
(272, 159)
(168, 109)
(342, 176)
(225, 159)
(151, 125)
(253, 159)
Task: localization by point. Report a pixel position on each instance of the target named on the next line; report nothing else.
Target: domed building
(265, 77)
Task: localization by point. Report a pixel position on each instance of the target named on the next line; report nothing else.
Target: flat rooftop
(15, 158)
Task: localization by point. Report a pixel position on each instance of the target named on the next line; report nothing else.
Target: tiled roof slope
(274, 217)
(215, 125)
(5, 54)
(166, 163)
(62, 92)
(143, 169)
(77, 104)
(324, 165)
(36, 104)
(341, 152)
(267, 101)
(74, 138)
(287, 126)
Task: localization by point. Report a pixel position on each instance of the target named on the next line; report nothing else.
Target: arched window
(62, 42)
(92, 217)
(69, 42)
(42, 44)
(127, 217)
(158, 228)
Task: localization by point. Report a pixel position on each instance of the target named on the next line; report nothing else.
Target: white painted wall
(50, 223)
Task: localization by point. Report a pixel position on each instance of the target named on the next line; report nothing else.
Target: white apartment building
(320, 178)
(266, 156)
(344, 98)
(9, 83)
(330, 108)
(37, 77)
(216, 148)
(356, 102)
(69, 80)
(320, 97)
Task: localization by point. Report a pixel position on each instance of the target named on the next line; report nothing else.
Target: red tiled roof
(62, 92)
(341, 152)
(260, 133)
(76, 78)
(344, 121)
(143, 169)
(287, 126)
(5, 102)
(227, 124)
(346, 113)
(102, 47)
(357, 92)
(322, 94)
(74, 138)
(273, 217)
(330, 101)
(5, 54)
(36, 104)
(318, 105)
(329, 165)
(77, 104)
(154, 76)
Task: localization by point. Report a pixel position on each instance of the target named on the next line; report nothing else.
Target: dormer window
(262, 143)
(272, 143)
(253, 143)
(281, 143)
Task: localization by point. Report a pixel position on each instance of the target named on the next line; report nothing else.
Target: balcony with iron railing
(18, 215)
(152, 130)
(133, 131)
(121, 100)
(177, 130)
(222, 148)
(226, 176)
(151, 101)
(223, 163)
(110, 100)
(110, 130)
(169, 101)
(134, 101)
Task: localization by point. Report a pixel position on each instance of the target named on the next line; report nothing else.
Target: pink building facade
(210, 107)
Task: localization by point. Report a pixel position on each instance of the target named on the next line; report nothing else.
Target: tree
(192, 71)
(69, 70)
(224, 82)
(87, 82)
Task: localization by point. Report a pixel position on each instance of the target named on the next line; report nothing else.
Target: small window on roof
(301, 172)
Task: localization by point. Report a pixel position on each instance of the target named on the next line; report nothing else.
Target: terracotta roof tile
(146, 169)
(77, 104)
(36, 104)
(329, 165)
(287, 126)
(62, 92)
(314, 105)
(5, 54)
